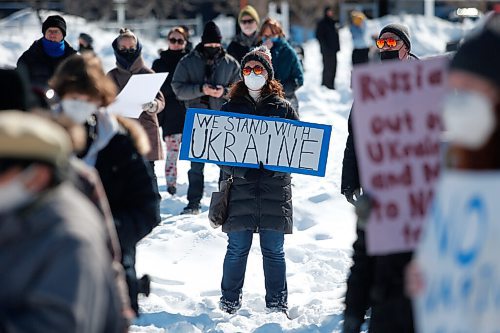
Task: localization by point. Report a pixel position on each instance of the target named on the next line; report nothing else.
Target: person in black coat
(375, 282)
(260, 200)
(45, 54)
(116, 148)
(328, 37)
(172, 118)
(248, 37)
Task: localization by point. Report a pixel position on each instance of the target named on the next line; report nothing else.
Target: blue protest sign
(245, 140)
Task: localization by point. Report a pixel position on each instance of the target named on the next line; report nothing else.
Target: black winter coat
(39, 65)
(377, 282)
(192, 72)
(259, 199)
(132, 196)
(350, 174)
(241, 45)
(172, 118)
(328, 36)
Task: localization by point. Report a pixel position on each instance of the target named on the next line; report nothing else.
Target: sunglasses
(131, 51)
(258, 70)
(250, 21)
(179, 41)
(391, 42)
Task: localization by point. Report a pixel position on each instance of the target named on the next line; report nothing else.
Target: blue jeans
(235, 263)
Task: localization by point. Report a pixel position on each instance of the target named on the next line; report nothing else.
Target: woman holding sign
(260, 200)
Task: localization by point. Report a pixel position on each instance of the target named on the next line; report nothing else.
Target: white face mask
(77, 110)
(14, 194)
(469, 119)
(255, 82)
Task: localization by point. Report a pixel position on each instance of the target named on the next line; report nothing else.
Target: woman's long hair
(271, 87)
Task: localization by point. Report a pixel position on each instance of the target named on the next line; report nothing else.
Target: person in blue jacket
(286, 64)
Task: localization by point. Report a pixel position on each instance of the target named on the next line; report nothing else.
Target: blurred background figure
(56, 269)
(45, 54)
(287, 67)
(15, 91)
(328, 36)
(172, 118)
(202, 80)
(115, 147)
(85, 42)
(360, 40)
(247, 38)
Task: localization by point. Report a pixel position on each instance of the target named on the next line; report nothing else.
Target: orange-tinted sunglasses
(391, 42)
(248, 70)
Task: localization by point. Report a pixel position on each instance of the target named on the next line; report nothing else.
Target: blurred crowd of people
(78, 189)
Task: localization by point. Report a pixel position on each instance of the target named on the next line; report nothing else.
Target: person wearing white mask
(471, 114)
(56, 270)
(115, 147)
(260, 199)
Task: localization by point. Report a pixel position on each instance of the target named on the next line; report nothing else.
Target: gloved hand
(352, 196)
(150, 107)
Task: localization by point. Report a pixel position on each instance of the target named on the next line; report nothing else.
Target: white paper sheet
(140, 89)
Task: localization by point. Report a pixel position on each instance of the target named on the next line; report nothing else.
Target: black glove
(352, 196)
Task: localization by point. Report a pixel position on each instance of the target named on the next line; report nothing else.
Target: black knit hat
(211, 33)
(54, 21)
(479, 54)
(262, 55)
(399, 30)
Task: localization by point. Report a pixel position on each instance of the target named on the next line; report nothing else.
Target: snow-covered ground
(184, 255)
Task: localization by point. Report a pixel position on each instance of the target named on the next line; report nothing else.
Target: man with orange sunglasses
(394, 43)
(375, 282)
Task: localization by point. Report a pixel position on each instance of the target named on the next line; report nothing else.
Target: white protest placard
(458, 256)
(397, 128)
(245, 140)
(140, 89)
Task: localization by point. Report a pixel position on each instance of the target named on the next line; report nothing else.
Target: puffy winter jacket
(259, 199)
(39, 65)
(191, 74)
(172, 118)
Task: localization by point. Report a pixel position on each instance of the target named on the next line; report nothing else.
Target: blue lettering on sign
(451, 238)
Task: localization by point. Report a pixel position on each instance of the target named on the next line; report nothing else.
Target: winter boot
(144, 285)
(229, 306)
(171, 189)
(191, 210)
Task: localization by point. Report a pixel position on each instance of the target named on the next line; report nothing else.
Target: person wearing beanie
(46, 53)
(201, 80)
(471, 113)
(129, 61)
(286, 63)
(371, 284)
(328, 37)
(247, 38)
(58, 259)
(85, 43)
(260, 94)
(360, 39)
(15, 91)
(394, 42)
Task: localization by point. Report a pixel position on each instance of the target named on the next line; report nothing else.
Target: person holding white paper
(115, 147)
(129, 62)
